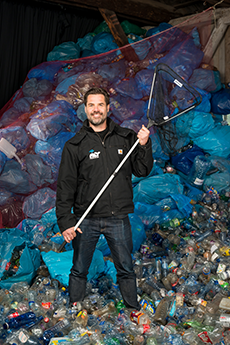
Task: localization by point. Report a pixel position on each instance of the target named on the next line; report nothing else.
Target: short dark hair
(97, 91)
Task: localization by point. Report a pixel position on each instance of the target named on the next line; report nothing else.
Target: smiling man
(88, 160)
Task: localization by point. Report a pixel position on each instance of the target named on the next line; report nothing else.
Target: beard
(99, 121)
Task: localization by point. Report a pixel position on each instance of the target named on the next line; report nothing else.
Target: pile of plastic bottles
(183, 283)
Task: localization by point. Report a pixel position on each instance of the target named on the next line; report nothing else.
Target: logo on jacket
(120, 151)
(93, 154)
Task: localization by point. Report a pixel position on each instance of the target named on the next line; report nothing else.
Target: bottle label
(198, 181)
(135, 316)
(221, 268)
(205, 337)
(13, 315)
(46, 305)
(214, 256)
(213, 248)
(22, 337)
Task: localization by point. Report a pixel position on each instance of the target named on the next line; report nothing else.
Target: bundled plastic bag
(29, 260)
(220, 181)
(216, 141)
(102, 245)
(149, 214)
(113, 71)
(206, 80)
(59, 265)
(103, 42)
(15, 180)
(144, 81)
(37, 89)
(202, 123)
(39, 202)
(40, 173)
(51, 150)
(17, 136)
(46, 70)
(64, 51)
(154, 188)
(183, 161)
(50, 120)
(220, 102)
(161, 27)
(125, 108)
(128, 88)
(2, 161)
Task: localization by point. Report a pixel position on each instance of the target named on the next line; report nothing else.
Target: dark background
(29, 31)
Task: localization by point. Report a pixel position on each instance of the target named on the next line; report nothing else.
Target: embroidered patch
(120, 151)
(93, 154)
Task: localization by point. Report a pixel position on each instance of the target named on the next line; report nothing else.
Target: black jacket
(86, 165)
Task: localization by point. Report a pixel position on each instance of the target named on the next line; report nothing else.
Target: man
(88, 160)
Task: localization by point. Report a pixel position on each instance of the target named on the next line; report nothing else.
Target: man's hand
(69, 234)
(143, 135)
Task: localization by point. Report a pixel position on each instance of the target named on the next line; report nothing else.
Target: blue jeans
(117, 231)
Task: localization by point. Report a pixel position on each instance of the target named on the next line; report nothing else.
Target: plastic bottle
(107, 309)
(139, 317)
(162, 310)
(19, 321)
(200, 167)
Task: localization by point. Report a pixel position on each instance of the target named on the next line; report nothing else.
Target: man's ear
(108, 108)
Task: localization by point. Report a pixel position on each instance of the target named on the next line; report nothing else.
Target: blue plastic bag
(128, 88)
(149, 214)
(113, 72)
(37, 89)
(183, 161)
(154, 188)
(45, 70)
(125, 108)
(15, 180)
(40, 173)
(206, 79)
(64, 51)
(17, 136)
(202, 123)
(103, 42)
(216, 142)
(138, 231)
(29, 260)
(59, 265)
(220, 102)
(144, 81)
(161, 27)
(39, 202)
(220, 181)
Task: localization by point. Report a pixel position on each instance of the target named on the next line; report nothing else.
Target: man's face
(96, 109)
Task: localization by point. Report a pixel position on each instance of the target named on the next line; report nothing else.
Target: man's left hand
(143, 135)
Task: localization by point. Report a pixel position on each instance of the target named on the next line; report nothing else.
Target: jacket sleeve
(142, 160)
(66, 188)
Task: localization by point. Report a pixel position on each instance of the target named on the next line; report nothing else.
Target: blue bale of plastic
(215, 142)
(65, 72)
(220, 102)
(39, 202)
(63, 86)
(45, 70)
(64, 51)
(15, 180)
(206, 80)
(59, 265)
(37, 89)
(23, 104)
(155, 188)
(183, 161)
(103, 42)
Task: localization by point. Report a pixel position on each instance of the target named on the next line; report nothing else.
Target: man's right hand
(69, 234)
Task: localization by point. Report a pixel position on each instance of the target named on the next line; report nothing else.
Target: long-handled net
(170, 97)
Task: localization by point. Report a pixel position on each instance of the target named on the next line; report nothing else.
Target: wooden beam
(133, 8)
(118, 34)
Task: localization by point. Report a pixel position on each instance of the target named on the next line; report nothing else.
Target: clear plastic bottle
(200, 167)
(139, 317)
(162, 310)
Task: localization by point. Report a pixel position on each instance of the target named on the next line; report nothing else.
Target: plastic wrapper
(17, 136)
(103, 42)
(45, 71)
(183, 161)
(125, 108)
(113, 71)
(39, 202)
(138, 231)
